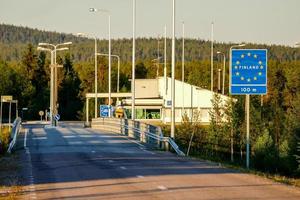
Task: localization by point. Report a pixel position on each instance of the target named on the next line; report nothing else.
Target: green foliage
(265, 155)
(4, 139)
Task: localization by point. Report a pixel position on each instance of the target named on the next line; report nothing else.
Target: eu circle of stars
(249, 67)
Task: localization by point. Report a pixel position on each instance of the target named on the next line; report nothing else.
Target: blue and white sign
(104, 110)
(57, 117)
(248, 71)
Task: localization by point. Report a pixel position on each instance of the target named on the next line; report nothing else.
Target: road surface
(71, 162)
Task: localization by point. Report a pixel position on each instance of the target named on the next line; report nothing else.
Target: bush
(265, 155)
(5, 139)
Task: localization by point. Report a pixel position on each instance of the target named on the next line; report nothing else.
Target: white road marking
(140, 176)
(25, 138)
(93, 151)
(110, 161)
(161, 187)
(69, 136)
(123, 168)
(39, 138)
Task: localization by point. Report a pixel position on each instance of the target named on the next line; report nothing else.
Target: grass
(4, 138)
(9, 179)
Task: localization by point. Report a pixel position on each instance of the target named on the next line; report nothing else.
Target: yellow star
(255, 78)
(260, 62)
(242, 56)
(237, 62)
(248, 79)
(242, 78)
(238, 73)
(249, 54)
(259, 73)
(255, 56)
(235, 67)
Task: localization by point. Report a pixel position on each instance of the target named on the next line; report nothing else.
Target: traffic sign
(248, 71)
(104, 110)
(57, 117)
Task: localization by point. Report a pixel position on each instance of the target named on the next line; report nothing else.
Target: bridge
(126, 160)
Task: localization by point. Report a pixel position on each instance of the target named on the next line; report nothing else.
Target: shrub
(4, 138)
(265, 156)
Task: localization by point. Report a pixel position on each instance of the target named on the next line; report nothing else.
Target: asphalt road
(71, 162)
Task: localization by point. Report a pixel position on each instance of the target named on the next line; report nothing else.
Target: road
(70, 162)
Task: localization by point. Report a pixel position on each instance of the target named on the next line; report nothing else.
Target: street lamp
(133, 62)
(53, 77)
(212, 58)
(224, 69)
(109, 54)
(182, 73)
(118, 77)
(96, 71)
(173, 74)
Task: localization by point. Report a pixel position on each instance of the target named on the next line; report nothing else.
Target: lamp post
(224, 70)
(165, 61)
(173, 74)
(109, 53)
(182, 73)
(212, 58)
(53, 76)
(96, 71)
(133, 62)
(118, 76)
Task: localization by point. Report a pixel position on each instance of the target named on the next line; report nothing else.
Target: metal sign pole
(1, 118)
(9, 117)
(247, 130)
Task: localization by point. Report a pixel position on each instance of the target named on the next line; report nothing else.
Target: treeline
(275, 124)
(14, 39)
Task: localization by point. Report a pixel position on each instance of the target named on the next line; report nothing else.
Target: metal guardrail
(14, 134)
(137, 130)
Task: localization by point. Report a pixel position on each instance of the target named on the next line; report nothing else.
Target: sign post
(248, 75)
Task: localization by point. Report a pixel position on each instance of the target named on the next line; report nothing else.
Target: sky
(256, 21)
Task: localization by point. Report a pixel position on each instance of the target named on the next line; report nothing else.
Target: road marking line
(140, 176)
(25, 138)
(111, 161)
(93, 151)
(161, 187)
(123, 168)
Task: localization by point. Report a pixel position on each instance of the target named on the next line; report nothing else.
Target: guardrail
(143, 132)
(14, 134)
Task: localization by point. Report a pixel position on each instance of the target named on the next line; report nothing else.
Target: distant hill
(13, 41)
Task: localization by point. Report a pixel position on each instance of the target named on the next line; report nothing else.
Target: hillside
(14, 39)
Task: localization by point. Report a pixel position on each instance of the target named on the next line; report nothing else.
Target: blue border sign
(104, 110)
(248, 71)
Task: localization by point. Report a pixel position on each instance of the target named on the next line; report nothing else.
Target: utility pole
(173, 75)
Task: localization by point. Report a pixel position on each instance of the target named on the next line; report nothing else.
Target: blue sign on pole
(57, 117)
(248, 71)
(104, 110)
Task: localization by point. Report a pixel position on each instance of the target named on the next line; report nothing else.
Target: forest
(275, 117)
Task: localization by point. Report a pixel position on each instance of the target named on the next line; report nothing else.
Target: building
(153, 101)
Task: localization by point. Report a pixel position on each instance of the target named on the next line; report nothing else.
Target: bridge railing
(145, 133)
(14, 134)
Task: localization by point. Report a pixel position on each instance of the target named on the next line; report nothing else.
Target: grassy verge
(9, 179)
(4, 138)
(275, 177)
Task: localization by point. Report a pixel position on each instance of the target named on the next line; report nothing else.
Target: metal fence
(145, 133)
(14, 133)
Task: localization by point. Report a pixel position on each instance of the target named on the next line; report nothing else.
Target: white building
(153, 100)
